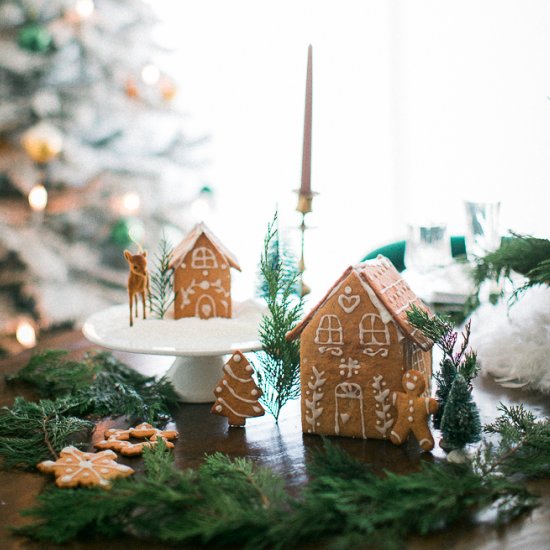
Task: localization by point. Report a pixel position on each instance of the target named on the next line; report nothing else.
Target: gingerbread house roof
(387, 290)
(185, 246)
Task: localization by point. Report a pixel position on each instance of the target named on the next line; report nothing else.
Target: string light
(131, 203)
(84, 8)
(38, 198)
(25, 334)
(150, 74)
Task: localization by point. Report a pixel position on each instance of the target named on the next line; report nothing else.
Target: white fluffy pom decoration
(513, 341)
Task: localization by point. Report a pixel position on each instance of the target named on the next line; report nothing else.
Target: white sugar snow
(191, 336)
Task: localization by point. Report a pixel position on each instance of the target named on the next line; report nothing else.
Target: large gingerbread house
(356, 344)
(202, 276)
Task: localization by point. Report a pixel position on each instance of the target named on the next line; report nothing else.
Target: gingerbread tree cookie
(236, 393)
(413, 412)
(75, 467)
(119, 440)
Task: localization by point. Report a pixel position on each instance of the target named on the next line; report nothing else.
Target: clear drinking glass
(428, 246)
(482, 227)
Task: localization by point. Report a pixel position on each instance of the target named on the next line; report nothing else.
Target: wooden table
(283, 448)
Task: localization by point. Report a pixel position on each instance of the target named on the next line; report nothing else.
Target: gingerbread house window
(374, 334)
(417, 362)
(203, 258)
(329, 331)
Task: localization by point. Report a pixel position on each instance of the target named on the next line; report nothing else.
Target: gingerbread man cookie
(75, 467)
(413, 411)
(119, 440)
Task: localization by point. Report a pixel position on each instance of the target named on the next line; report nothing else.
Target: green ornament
(35, 38)
(206, 190)
(126, 231)
(120, 233)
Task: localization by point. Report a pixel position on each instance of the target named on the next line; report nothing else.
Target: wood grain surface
(283, 448)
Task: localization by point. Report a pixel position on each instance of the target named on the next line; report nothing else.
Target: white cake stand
(199, 345)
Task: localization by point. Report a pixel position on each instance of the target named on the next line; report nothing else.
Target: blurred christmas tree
(92, 153)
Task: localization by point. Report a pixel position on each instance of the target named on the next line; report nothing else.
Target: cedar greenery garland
(460, 425)
(279, 361)
(75, 391)
(523, 254)
(98, 385)
(161, 295)
(234, 504)
(32, 432)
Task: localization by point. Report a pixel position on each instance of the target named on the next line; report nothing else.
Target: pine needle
(279, 361)
(95, 387)
(32, 432)
(98, 386)
(523, 254)
(162, 295)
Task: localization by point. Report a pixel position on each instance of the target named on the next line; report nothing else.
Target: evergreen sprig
(279, 361)
(457, 416)
(229, 502)
(350, 505)
(31, 432)
(524, 443)
(161, 295)
(77, 392)
(523, 254)
(52, 374)
(234, 504)
(98, 385)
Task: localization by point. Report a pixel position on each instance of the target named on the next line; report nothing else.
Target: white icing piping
(227, 369)
(349, 393)
(224, 402)
(384, 313)
(312, 404)
(83, 464)
(334, 290)
(380, 397)
(373, 353)
(234, 394)
(395, 283)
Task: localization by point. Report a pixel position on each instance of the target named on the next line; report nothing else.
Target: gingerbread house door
(206, 307)
(349, 417)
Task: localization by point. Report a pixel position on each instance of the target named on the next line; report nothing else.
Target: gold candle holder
(304, 207)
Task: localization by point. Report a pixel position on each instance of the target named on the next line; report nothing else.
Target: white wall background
(417, 105)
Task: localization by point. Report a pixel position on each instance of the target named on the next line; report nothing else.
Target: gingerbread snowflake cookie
(75, 467)
(413, 412)
(119, 440)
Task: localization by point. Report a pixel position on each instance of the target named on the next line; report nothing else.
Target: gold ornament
(167, 89)
(131, 88)
(42, 142)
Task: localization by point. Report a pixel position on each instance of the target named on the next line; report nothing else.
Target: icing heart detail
(344, 417)
(348, 303)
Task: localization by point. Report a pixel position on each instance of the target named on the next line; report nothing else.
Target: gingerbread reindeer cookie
(413, 412)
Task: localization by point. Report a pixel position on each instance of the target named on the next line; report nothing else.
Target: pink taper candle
(305, 194)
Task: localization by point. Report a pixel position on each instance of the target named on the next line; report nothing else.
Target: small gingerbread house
(355, 346)
(202, 277)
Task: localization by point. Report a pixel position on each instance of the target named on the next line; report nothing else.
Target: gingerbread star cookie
(75, 467)
(119, 440)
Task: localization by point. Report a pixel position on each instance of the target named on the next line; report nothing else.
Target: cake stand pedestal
(198, 345)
